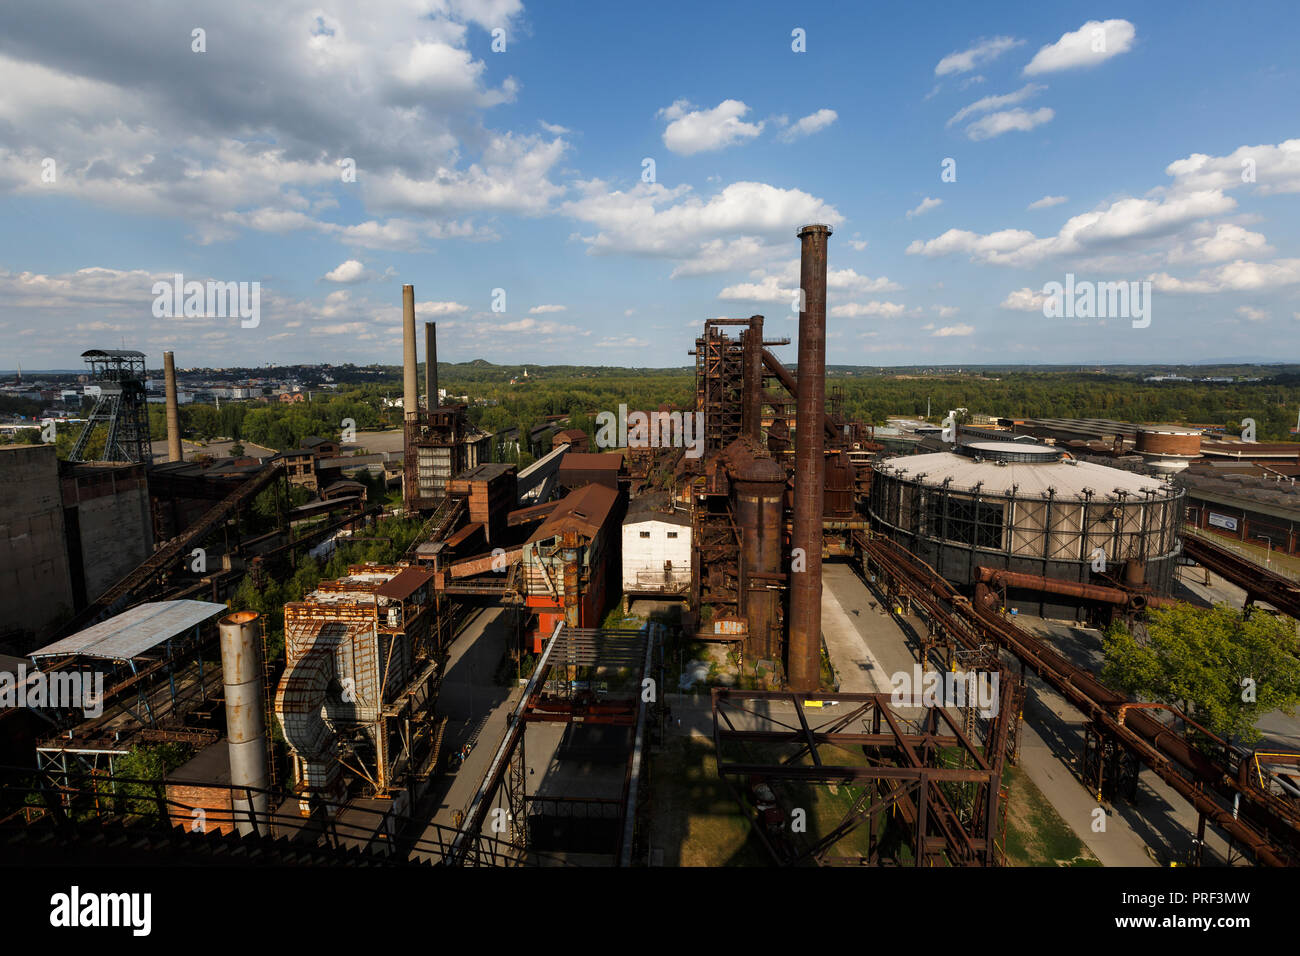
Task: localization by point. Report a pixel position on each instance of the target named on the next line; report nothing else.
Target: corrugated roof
(133, 632)
(1031, 480)
(584, 510)
(404, 583)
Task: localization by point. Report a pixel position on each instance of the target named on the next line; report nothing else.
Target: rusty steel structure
(1260, 584)
(803, 648)
(1118, 735)
(927, 778)
(565, 688)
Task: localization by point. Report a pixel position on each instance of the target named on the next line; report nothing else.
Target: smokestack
(752, 379)
(241, 672)
(431, 364)
(804, 651)
(174, 450)
(410, 395)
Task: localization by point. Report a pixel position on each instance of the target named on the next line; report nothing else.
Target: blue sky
(1154, 142)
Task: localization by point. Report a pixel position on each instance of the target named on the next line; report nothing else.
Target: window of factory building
(967, 521)
(672, 534)
(645, 534)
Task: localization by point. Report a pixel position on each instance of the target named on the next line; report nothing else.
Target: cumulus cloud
(1238, 276)
(377, 102)
(1107, 226)
(347, 272)
(783, 285)
(653, 220)
(1229, 241)
(995, 124)
(951, 330)
(1269, 168)
(984, 51)
(1094, 42)
(812, 123)
(1024, 300)
(925, 206)
(1047, 202)
(543, 309)
(692, 130)
(1251, 314)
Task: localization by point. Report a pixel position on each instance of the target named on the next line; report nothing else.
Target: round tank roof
(1062, 478)
(1009, 451)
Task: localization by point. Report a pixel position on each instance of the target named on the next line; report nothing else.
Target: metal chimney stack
(431, 365)
(410, 391)
(174, 450)
(241, 667)
(803, 654)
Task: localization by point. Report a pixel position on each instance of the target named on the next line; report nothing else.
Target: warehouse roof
(404, 583)
(1031, 480)
(133, 632)
(584, 511)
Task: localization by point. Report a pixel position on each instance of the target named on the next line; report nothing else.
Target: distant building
(656, 548)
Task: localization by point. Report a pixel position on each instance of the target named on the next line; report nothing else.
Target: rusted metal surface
(431, 364)
(1268, 828)
(804, 649)
(241, 673)
(757, 501)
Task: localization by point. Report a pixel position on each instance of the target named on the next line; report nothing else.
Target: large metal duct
(431, 365)
(758, 506)
(410, 393)
(803, 652)
(174, 450)
(241, 666)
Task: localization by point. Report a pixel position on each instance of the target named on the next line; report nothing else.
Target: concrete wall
(115, 531)
(35, 584)
(649, 554)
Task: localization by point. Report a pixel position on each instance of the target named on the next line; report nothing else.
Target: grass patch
(1036, 834)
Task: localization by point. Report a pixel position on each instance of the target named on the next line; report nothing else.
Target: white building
(656, 548)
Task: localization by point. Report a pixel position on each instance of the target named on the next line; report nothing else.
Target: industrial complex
(869, 636)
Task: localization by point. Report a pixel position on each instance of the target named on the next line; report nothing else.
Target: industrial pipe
(174, 450)
(804, 649)
(241, 667)
(410, 397)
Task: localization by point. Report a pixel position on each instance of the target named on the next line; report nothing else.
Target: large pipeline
(804, 649)
(1153, 742)
(241, 669)
(997, 578)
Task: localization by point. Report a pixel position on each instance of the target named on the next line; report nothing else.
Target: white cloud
(1110, 225)
(554, 128)
(782, 286)
(691, 131)
(1229, 241)
(995, 124)
(946, 311)
(996, 102)
(812, 123)
(651, 219)
(1273, 169)
(926, 205)
(1024, 300)
(951, 330)
(858, 244)
(984, 51)
(1251, 314)
(543, 309)
(346, 272)
(1238, 276)
(1047, 202)
(853, 310)
(1094, 42)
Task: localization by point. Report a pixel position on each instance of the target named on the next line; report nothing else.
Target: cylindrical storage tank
(758, 499)
(241, 666)
(1168, 448)
(1030, 510)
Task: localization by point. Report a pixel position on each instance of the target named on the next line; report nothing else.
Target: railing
(1249, 552)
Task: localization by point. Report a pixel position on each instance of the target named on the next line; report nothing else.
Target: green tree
(1223, 668)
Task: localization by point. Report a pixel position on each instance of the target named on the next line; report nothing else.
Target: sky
(585, 183)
